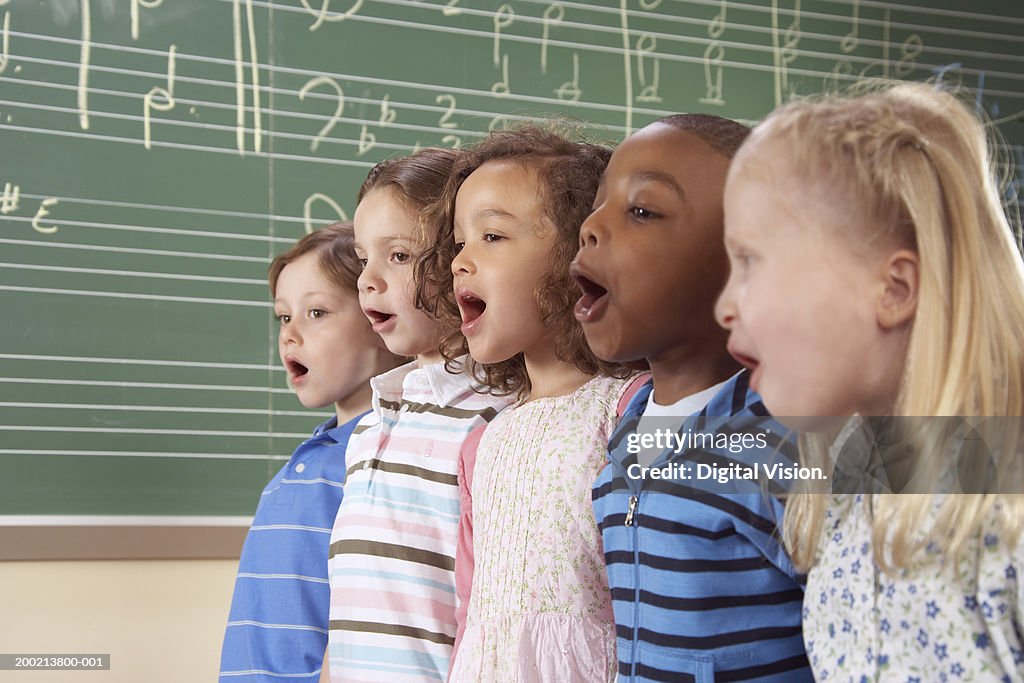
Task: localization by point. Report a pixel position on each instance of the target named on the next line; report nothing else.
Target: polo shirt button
(301, 467)
(366, 464)
(404, 408)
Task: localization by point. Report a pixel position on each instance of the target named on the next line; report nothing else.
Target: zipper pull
(632, 509)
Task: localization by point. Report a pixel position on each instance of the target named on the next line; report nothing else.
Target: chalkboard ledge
(58, 537)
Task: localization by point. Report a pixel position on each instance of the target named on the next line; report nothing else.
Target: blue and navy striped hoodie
(701, 585)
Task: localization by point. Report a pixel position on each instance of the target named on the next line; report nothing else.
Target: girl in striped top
(392, 552)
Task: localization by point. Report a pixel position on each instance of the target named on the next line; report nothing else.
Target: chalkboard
(155, 154)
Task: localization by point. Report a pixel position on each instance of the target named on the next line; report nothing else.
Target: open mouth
(594, 298)
(471, 307)
(296, 370)
(378, 319)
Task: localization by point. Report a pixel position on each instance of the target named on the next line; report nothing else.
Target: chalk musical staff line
(226, 455)
(125, 360)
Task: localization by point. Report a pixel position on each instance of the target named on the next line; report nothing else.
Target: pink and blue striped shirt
(392, 553)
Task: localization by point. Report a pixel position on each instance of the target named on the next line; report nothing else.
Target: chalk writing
(166, 103)
(83, 67)
(323, 14)
(9, 199)
(445, 120)
(648, 44)
(339, 106)
(307, 209)
(553, 16)
(570, 90)
(43, 213)
(501, 88)
(503, 18)
(5, 41)
(134, 13)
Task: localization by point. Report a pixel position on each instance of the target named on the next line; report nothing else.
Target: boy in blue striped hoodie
(702, 588)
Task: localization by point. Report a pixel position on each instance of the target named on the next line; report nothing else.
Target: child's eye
(491, 237)
(317, 313)
(400, 257)
(640, 213)
(283, 319)
(459, 246)
(362, 263)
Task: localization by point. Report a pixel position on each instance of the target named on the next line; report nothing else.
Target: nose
(370, 280)
(591, 233)
(725, 308)
(463, 263)
(290, 334)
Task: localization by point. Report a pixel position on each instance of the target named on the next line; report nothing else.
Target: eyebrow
(493, 213)
(665, 179)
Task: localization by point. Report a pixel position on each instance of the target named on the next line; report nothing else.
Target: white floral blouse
(924, 626)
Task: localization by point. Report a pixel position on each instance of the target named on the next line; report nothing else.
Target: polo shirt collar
(446, 388)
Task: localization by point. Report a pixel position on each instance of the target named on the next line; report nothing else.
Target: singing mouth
(471, 306)
(378, 317)
(593, 298)
(295, 368)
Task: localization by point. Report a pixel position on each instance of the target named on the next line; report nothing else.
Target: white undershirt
(655, 415)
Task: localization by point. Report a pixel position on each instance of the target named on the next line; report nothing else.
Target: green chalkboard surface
(155, 154)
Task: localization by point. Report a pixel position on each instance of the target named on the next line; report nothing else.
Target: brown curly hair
(568, 174)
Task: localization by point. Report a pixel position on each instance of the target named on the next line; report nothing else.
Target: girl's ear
(901, 279)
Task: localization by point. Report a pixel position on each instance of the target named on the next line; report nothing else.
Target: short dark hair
(568, 173)
(722, 135)
(335, 246)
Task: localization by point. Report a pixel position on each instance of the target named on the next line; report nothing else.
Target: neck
(681, 372)
(356, 403)
(428, 358)
(550, 376)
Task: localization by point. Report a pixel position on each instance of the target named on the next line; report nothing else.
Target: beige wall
(162, 621)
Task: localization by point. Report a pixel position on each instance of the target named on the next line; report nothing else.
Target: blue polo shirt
(277, 627)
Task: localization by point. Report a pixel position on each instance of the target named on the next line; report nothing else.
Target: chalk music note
(134, 13)
(257, 112)
(717, 25)
(10, 198)
(791, 38)
(149, 101)
(387, 113)
(339, 107)
(832, 82)
(307, 209)
(648, 45)
(910, 50)
(5, 41)
(367, 141)
(850, 41)
(501, 88)
(503, 18)
(324, 14)
(714, 54)
(453, 141)
(83, 67)
(553, 16)
(784, 50)
(451, 10)
(570, 90)
(649, 4)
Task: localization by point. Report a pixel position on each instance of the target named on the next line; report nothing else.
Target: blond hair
(912, 161)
